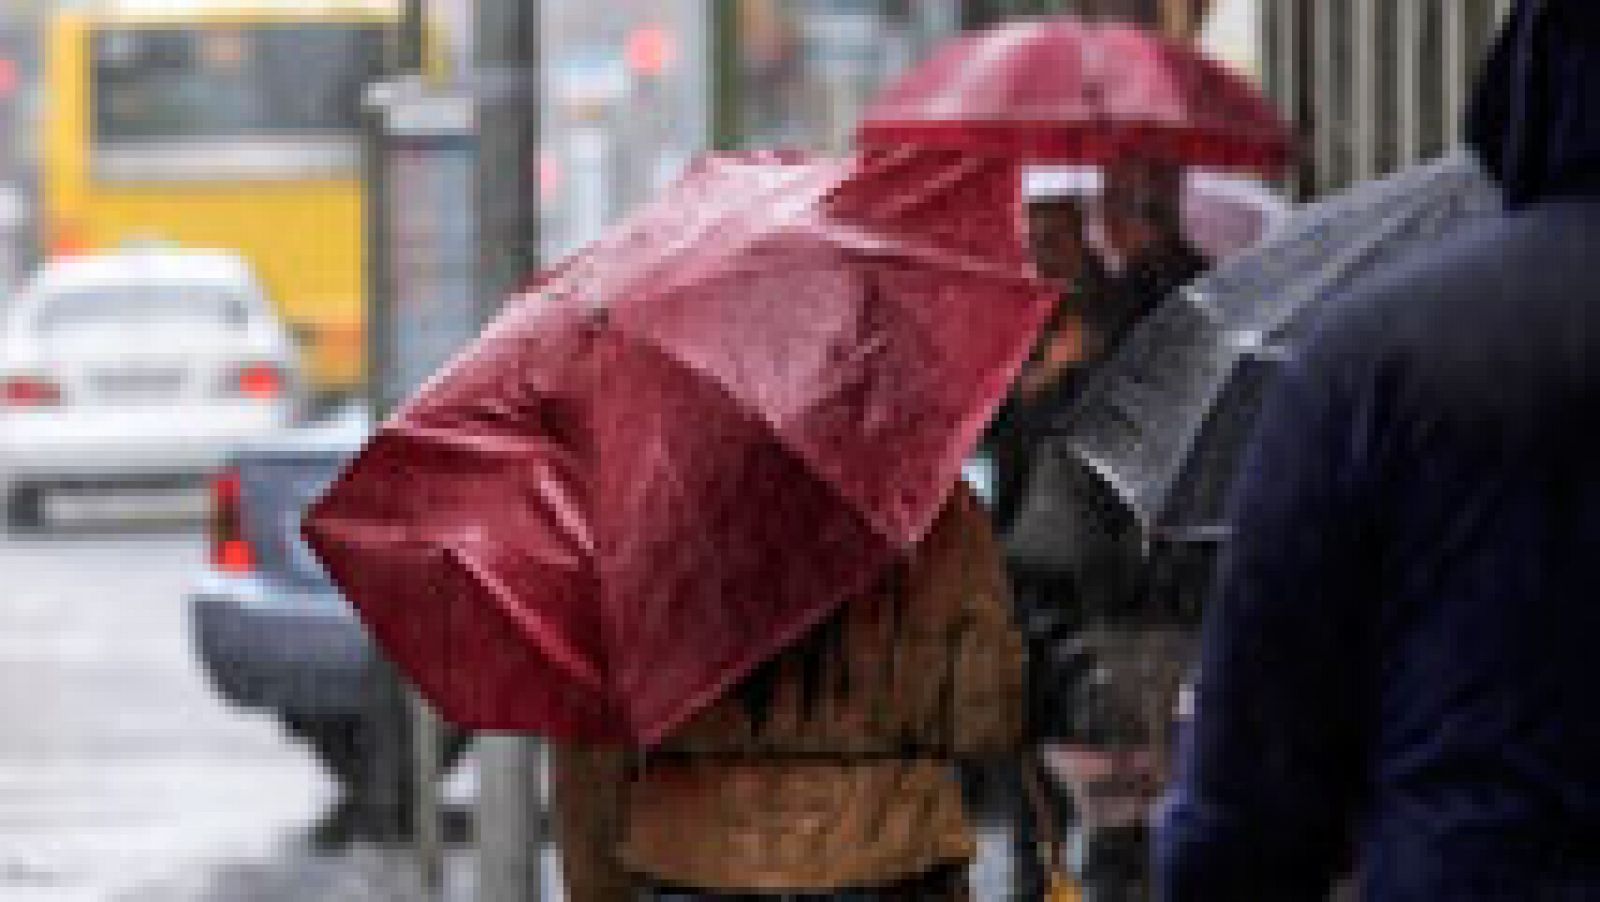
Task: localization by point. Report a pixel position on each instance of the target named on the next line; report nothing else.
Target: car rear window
(142, 305)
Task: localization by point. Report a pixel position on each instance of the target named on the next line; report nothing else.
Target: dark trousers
(997, 794)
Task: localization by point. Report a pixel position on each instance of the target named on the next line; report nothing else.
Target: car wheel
(25, 508)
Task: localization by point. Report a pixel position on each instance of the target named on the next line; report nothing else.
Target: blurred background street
(123, 780)
(121, 777)
(117, 767)
(233, 234)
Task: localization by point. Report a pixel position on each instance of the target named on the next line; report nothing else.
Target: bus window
(219, 82)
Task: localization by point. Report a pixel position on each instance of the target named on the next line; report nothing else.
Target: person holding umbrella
(1398, 667)
(1164, 422)
(1104, 656)
(1058, 215)
(829, 774)
(691, 509)
(1059, 219)
(1141, 217)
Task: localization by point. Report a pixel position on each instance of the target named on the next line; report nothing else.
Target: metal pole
(980, 13)
(427, 735)
(1455, 68)
(507, 66)
(1281, 30)
(413, 36)
(1364, 40)
(379, 288)
(511, 797)
(1408, 56)
(727, 76)
(426, 730)
(1324, 78)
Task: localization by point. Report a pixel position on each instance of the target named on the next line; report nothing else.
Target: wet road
(122, 778)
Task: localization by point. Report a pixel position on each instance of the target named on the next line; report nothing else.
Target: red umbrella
(1066, 91)
(690, 444)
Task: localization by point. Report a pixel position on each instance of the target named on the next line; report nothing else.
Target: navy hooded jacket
(1401, 667)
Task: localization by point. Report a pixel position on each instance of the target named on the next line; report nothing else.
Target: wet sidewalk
(365, 872)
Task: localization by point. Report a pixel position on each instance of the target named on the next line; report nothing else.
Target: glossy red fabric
(690, 443)
(1066, 91)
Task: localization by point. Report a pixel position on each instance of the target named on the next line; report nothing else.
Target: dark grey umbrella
(1164, 421)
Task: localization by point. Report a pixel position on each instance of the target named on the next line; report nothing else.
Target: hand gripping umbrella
(690, 443)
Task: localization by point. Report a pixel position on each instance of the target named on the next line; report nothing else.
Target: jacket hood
(1535, 120)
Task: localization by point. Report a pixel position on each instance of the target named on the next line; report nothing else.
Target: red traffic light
(650, 50)
(551, 177)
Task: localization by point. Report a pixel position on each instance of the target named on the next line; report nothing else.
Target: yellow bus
(223, 124)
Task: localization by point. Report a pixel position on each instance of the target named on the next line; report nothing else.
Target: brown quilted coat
(849, 786)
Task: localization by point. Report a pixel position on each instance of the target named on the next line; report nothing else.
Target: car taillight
(68, 240)
(231, 551)
(262, 381)
(29, 391)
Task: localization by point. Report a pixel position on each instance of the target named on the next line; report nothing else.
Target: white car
(136, 369)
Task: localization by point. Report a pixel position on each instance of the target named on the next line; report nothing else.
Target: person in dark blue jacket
(1399, 673)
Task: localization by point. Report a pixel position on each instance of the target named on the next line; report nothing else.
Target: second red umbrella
(1066, 91)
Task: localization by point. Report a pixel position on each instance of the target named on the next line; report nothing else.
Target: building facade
(1372, 85)
(1176, 17)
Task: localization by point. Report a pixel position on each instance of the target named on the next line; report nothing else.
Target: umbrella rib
(560, 653)
(1188, 439)
(974, 68)
(866, 240)
(896, 206)
(774, 428)
(1351, 207)
(1126, 491)
(746, 664)
(1343, 264)
(565, 510)
(1252, 343)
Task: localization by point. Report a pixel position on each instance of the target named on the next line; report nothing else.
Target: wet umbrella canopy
(690, 444)
(1164, 421)
(1061, 90)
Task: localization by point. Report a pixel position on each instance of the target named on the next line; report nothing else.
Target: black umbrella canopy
(1165, 420)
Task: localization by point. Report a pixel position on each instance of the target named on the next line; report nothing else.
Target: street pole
(507, 42)
(981, 13)
(421, 733)
(511, 814)
(422, 293)
(426, 730)
(727, 76)
(413, 36)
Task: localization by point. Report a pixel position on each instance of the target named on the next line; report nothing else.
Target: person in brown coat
(830, 773)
